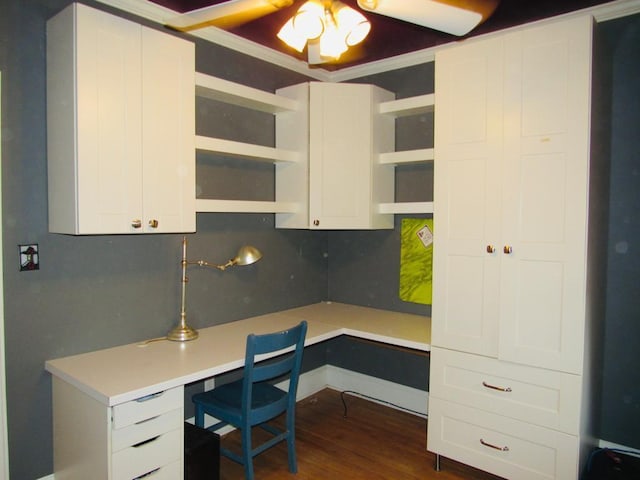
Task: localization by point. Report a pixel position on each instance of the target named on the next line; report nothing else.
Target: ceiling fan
(328, 27)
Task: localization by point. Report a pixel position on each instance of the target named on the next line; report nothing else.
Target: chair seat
(228, 397)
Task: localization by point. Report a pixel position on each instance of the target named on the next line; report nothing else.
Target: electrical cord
(384, 402)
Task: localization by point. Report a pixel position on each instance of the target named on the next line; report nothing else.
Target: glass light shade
(354, 25)
(308, 21)
(332, 42)
(291, 36)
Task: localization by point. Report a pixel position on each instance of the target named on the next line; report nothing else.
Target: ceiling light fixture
(327, 28)
(456, 17)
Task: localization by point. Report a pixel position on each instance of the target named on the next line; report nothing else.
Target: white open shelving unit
(402, 108)
(241, 95)
(233, 93)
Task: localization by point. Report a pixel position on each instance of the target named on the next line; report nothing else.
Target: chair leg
(199, 416)
(247, 458)
(291, 441)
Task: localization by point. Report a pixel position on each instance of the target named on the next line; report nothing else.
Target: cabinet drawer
(147, 407)
(173, 471)
(543, 397)
(500, 445)
(137, 460)
(146, 429)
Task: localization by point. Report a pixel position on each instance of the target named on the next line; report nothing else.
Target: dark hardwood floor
(372, 442)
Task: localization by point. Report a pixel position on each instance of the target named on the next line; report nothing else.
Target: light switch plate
(29, 257)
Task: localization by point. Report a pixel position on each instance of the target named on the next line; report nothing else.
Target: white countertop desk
(100, 407)
(119, 374)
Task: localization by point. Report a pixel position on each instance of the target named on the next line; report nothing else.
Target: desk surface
(119, 374)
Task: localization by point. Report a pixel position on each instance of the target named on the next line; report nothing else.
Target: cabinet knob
(490, 249)
(316, 222)
(137, 223)
(153, 223)
(507, 250)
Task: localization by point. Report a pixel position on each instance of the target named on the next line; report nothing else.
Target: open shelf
(406, 207)
(241, 95)
(408, 106)
(408, 156)
(245, 150)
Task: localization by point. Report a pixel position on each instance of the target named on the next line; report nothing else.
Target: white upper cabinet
(511, 192)
(120, 119)
(344, 184)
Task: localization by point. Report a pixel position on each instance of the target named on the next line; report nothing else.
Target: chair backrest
(291, 342)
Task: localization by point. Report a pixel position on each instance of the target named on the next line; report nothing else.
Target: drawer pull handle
(149, 397)
(144, 442)
(147, 420)
(148, 474)
(493, 387)
(487, 444)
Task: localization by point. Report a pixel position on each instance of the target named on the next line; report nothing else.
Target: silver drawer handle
(486, 444)
(146, 398)
(147, 420)
(493, 387)
(148, 474)
(145, 442)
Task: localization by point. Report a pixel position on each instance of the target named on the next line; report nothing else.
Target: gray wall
(620, 52)
(100, 291)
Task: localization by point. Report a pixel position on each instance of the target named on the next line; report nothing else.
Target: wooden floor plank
(372, 442)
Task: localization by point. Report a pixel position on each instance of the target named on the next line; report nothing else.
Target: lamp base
(182, 333)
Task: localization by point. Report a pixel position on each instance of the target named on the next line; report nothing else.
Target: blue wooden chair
(253, 400)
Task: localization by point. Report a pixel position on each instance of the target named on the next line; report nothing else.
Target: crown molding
(159, 14)
(156, 13)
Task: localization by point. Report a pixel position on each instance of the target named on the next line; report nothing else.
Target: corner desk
(118, 413)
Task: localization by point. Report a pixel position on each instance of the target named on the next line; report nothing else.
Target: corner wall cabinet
(120, 119)
(509, 321)
(347, 181)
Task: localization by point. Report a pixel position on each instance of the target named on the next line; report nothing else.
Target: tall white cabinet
(120, 108)
(510, 318)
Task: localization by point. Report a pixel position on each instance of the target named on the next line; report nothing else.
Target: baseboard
(375, 389)
(605, 444)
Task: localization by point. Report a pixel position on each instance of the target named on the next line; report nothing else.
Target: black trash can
(201, 454)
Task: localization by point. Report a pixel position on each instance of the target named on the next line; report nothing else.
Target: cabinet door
(168, 127)
(468, 143)
(94, 145)
(341, 157)
(545, 194)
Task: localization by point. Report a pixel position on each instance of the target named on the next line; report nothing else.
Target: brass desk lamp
(245, 256)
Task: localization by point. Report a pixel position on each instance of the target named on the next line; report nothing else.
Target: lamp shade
(247, 255)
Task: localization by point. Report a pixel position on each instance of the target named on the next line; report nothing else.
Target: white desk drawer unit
(542, 397)
(147, 437)
(500, 445)
(147, 407)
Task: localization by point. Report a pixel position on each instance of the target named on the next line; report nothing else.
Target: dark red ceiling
(391, 37)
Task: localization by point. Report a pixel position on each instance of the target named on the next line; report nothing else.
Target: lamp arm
(204, 263)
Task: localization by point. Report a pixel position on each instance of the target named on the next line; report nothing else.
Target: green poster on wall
(416, 258)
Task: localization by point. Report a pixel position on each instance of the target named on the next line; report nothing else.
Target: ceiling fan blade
(456, 17)
(225, 15)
